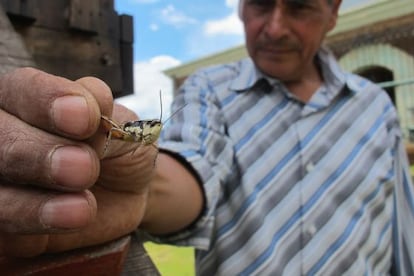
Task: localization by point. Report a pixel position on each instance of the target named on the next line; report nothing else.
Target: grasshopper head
(145, 131)
(154, 132)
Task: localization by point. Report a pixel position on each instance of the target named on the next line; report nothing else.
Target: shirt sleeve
(403, 223)
(197, 133)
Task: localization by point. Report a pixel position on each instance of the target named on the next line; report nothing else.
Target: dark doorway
(379, 74)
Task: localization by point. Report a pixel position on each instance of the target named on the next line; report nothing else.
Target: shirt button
(312, 230)
(310, 167)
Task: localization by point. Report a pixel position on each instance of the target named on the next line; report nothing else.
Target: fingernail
(66, 212)
(73, 167)
(71, 114)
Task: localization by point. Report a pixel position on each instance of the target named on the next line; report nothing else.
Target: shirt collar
(247, 77)
(334, 76)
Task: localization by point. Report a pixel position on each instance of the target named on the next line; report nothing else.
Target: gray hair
(240, 7)
(330, 2)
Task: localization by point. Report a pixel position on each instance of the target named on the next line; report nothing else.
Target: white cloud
(217, 34)
(232, 3)
(200, 45)
(172, 16)
(230, 25)
(154, 27)
(148, 82)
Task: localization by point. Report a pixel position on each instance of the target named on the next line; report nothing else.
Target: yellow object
(172, 260)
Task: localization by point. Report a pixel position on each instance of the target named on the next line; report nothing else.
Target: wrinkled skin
(56, 191)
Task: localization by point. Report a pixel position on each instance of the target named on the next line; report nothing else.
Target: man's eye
(298, 4)
(261, 3)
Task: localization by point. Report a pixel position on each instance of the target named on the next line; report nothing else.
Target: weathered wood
(127, 28)
(125, 256)
(410, 152)
(138, 261)
(13, 52)
(109, 24)
(28, 9)
(76, 56)
(99, 260)
(84, 15)
(127, 69)
(126, 40)
(20, 8)
(76, 38)
(11, 6)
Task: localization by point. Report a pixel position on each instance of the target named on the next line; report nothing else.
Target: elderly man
(280, 163)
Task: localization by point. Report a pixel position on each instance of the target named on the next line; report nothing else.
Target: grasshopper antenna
(160, 107)
(175, 112)
(172, 115)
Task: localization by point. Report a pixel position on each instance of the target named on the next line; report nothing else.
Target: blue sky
(180, 28)
(168, 33)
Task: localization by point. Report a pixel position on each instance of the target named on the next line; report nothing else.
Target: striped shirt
(294, 188)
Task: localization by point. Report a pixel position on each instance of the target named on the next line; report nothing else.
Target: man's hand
(51, 187)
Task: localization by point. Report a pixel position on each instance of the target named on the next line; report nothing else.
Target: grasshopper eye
(138, 124)
(155, 123)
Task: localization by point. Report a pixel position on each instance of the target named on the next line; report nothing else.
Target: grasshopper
(144, 132)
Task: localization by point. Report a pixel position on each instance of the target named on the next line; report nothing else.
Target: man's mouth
(278, 49)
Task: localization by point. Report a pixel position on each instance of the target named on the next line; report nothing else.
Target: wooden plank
(11, 6)
(410, 152)
(107, 4)
(28, 9)
(102, 260)
(20, 9)
(109, 26)
(58, 49)
(127, 28)
(126, 55)
(127, 70)
(51, 14)
(84, 15)
(138, 261)
(13, 52)
(76, 55)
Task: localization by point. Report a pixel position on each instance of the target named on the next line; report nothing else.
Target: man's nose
(277, 25)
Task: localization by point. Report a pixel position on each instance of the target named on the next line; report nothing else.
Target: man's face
(283, 36)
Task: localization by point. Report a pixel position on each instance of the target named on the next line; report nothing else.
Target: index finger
(52, 103)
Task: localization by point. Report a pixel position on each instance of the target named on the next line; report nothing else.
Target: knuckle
(16, 165)
(100, 90)
(20, 211)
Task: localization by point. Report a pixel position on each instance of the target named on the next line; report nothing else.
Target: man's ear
(335, 11)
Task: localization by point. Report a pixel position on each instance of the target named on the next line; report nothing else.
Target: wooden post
(102, 260)
(76, 38)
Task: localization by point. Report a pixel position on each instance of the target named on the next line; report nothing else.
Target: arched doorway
(386, 62)
(380, 74)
